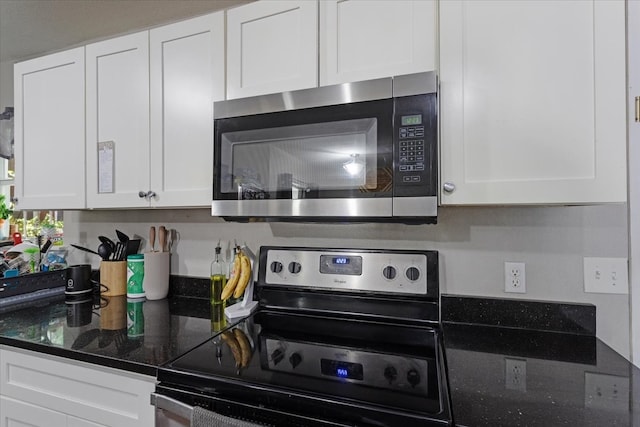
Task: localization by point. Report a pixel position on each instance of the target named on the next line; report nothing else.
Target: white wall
(473, 245)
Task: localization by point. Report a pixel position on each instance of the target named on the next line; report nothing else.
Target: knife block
(113, 275)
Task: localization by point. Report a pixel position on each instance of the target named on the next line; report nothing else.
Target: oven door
(171, 412)
(331, 161)
(175, 408)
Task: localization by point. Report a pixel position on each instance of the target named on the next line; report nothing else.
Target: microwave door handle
(172, 406)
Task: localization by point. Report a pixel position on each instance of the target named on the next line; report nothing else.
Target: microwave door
(306, 164)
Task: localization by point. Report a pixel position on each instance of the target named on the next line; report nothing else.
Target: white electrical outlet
(515, 374)
(603, 391)
(606, 275)
(514, 277)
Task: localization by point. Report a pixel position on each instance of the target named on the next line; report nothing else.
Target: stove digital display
(340, 369)
(341, 264)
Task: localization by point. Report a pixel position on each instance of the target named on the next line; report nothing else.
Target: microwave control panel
(415, 124)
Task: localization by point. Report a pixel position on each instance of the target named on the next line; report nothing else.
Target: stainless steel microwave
(365, 151)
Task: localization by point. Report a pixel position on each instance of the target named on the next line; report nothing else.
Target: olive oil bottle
(218, 281)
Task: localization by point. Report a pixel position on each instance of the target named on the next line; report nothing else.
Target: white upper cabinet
(532, 100)
(368, 39)
(150, 115)
(272, 46)
(49, 131)
(118, 121)
(187, 76)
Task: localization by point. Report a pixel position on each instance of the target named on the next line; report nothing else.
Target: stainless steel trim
(345, 93)
(171, 405)
(415, 206)
(371, 277)
(415, 84)
(370, 207)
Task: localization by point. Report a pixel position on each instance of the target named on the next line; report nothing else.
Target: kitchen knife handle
(162, 238)
(152, 238)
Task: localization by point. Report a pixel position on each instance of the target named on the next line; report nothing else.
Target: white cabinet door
(187, 76)
(118, 121)
(86, 394)
(533, 101)
(49, 131)
(272, 46)
(15, 413)
(368, 39)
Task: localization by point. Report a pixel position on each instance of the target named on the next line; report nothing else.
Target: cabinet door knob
(142, 194)
(151, 194)
(14, 200)
(449, 187)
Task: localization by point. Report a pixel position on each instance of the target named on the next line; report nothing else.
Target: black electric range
(344, 337)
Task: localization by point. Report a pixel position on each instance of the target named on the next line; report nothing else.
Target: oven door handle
(171, 405)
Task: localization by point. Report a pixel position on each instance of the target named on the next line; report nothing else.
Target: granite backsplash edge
(546, 316)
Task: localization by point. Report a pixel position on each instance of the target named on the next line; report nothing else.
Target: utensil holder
(157, 268)
(113, 275)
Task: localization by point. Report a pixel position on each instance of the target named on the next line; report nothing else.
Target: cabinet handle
(151, 194)
(449, 187)
(14, 200)
(142, 194)
(637, 109)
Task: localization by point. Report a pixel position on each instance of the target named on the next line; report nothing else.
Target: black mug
(78, 280)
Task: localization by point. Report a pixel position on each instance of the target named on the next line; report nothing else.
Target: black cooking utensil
(132, 247)
(85, 249)
(107, 241)
(120, 251)
(122, 237)
(104, 251)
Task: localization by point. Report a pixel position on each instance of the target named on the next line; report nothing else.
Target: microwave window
(300, 161)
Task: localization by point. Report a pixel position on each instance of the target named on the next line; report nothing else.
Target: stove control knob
(294, 267)
(389, 272)
(413, 377)
(390, 373)
(277, 356)
(413, 274)
(276, 266)
(295, 360)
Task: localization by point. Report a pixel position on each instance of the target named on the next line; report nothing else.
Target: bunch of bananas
(239, 345)
(240, 276)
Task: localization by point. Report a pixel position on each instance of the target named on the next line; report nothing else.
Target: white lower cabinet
(48, 391)
(15, 413)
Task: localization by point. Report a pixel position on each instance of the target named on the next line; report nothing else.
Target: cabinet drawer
(16, 413)
(101, 395)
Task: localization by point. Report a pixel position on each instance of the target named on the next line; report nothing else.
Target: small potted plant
(5, 211)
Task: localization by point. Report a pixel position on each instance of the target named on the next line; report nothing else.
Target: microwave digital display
(414, 119)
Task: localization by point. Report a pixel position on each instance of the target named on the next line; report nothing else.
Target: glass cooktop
(374, 366)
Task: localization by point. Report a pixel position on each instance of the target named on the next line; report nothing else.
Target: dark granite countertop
(133, 335)
(554, 372)
(500, 374)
